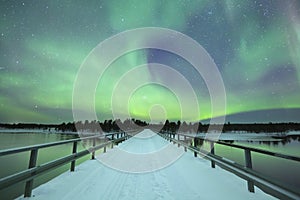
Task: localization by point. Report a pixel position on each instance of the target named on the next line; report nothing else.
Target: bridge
(147, 166)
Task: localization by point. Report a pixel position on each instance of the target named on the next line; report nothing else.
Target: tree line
(198, 127)
(169, 126)
(92, 126)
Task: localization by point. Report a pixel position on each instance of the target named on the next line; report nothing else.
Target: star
(254, 44)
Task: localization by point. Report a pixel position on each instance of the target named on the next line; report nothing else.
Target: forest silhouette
(169, 126)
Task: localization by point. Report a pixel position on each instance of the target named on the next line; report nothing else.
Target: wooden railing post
(185, 149)
(112, 140)
(74, 150)
(248, 159)
(195, 145)
(249, 165)
(32, 163)
(93, 153)
(212, 151)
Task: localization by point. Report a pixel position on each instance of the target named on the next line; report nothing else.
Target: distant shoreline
(224, 136)
(24, 131)
(281, 129)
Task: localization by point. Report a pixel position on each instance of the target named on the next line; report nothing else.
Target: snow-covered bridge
(147, 167)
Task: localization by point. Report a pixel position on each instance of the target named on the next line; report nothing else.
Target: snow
(291, 133)
(48, 131)
(242, 136)
(237, 136)
(185, 177)
(52, 130)
(146, 153)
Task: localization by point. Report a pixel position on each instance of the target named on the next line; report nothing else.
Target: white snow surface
(241, 136)
(145, 152)
(186, 178)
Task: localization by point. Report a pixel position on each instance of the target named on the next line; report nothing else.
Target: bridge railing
(33, 170)
(244, 171)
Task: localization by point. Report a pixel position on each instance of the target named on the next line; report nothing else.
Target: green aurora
(255, 44)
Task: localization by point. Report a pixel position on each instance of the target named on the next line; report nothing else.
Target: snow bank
(242, 136)
(186, 178)
(4, 130)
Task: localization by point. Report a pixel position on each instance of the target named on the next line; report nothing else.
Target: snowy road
(185, 177)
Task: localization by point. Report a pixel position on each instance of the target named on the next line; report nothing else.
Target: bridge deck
(147, 167)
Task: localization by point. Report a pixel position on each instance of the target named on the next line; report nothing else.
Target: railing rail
(246, 172)
(50, 144)
(33, 171)
(257, 150)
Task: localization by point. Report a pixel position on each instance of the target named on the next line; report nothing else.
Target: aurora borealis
(255, 45)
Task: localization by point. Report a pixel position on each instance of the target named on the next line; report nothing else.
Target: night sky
(255, 45)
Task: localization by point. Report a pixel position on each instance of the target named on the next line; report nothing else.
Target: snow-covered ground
(237, 136)
(243, 136)
(47, 131)
(4, 130)
(186, 177)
